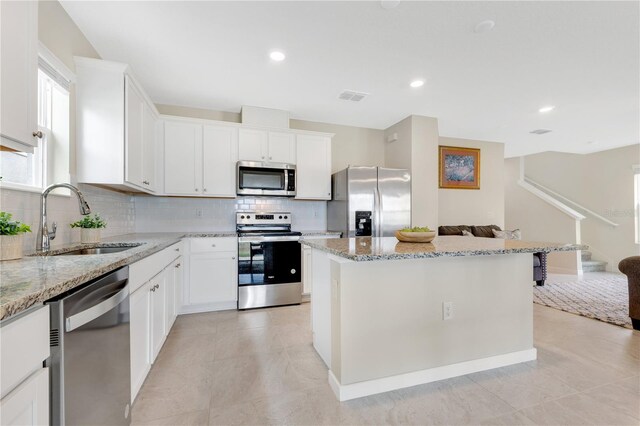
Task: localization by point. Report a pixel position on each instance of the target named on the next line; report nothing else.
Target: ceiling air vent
(540, 131)
(350, 95)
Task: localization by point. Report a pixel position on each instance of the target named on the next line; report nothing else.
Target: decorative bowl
(415, 237)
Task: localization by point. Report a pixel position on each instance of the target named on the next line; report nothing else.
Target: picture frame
(459, 168)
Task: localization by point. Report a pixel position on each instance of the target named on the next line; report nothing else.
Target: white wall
(483, 206)
(416, 149)
(602, 182)
(537, 220)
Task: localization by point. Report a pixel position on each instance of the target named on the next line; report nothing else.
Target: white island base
(379, 325)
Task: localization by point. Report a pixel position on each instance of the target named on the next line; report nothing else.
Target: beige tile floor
(258, 367)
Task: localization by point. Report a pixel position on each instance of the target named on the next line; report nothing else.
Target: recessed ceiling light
(484, 26)
(547, 108)
(277, 56)
(389, 4)
(416, 83)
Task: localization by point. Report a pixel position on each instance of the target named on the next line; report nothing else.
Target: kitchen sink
(96, 250)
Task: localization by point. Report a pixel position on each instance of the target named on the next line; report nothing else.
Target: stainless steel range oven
(269, 260)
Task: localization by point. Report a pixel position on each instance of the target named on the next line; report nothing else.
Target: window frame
(41, 153)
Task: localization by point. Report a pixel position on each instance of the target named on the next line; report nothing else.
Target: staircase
(589, 265)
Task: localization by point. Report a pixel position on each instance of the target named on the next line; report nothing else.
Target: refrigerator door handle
(377, 216)
(380, 215)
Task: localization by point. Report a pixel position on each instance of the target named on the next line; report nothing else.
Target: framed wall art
(459, 167)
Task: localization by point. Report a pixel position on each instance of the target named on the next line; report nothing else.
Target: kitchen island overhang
(378, 308)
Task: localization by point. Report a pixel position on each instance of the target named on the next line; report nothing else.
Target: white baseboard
(386, 384)
(209, 307)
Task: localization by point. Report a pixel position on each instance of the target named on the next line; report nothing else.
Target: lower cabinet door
(178, 270)
(169, 296)
(213, 278)
(158, 314)
(28, 404)
(140, 332)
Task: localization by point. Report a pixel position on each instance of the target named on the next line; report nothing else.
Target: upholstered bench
(486, 231)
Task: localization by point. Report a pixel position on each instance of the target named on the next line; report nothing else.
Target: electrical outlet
(198, 212)
(447, 310)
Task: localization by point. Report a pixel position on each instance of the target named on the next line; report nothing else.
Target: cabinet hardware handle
(204, 190)
(37, 134)
(177, 265)
(263, 157)
(213, 245)
(153, 289)
(177, 249)
(196, 189)
(146, 182)
(270, 158)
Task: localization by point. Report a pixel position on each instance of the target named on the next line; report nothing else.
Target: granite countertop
(38, 277)
(389, 248)
(320, 233)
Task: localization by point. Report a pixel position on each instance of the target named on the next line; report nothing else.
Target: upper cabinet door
(148, 149)
(19, 71)
(134, 109)
(252, 145)
(219, 158)
(313, 167)
(182, 158)
(282, 147)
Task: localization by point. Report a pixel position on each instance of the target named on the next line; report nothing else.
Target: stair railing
(576, 207)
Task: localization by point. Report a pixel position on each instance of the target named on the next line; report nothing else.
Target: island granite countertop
(389, 248)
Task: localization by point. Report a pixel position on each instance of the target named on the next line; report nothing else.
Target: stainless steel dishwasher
(90, 363)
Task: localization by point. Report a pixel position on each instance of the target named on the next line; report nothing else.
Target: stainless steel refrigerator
(369, 201)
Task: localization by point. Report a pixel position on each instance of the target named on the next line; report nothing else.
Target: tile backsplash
(173, 214)
(118, 210)
(126, 213)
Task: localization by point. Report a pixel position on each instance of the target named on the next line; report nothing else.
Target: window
(49, 161)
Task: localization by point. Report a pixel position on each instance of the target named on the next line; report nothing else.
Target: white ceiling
(582, 57)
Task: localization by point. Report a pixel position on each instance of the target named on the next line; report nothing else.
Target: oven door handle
(267, 239)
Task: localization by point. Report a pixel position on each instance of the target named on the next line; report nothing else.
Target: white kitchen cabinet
(313, 180)
(266, 146)
(252, 145)
(173, 284)
(219, 158)
(24, 384)
(19, 72)
(158, 314)
(116, 123)
(212, 282)
(28, 404)
(152, 309)
(140, 326)
(200, 160)
(182, 151)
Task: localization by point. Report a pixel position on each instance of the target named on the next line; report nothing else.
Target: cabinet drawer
(24, 344)
(199, 245)
(142, 271)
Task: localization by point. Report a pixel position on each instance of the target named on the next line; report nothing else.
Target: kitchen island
(388, 315)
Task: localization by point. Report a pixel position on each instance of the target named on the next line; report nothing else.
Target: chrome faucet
(44, 236)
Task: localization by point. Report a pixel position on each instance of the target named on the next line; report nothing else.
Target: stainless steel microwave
(267, 179)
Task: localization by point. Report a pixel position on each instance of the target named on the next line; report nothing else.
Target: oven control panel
(263, 218)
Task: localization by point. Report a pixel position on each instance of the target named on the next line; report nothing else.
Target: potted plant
(11, 237)
(90, 227)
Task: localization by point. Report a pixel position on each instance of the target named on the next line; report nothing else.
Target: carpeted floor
(600, 295)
